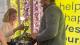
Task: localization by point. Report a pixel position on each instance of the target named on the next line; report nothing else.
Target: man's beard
(44, 7)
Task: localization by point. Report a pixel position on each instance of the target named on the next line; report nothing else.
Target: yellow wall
(71, 10)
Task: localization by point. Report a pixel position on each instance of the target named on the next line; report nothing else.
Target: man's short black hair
(52, 1)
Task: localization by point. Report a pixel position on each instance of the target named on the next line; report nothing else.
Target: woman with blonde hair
(8, 26)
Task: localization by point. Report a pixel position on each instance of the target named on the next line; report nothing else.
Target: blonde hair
(7, 15)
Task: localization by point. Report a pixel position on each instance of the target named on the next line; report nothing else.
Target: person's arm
(4, 43)
(52, 25)
(2, 39)
(10, 33)
(20, 27)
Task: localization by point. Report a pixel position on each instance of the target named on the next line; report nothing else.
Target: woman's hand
(20, 27)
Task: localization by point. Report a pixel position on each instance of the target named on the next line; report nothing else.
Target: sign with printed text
(71, 11)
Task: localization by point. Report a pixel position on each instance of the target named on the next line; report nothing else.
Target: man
(52, 29)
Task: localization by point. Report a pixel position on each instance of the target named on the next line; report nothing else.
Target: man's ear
(47, 1)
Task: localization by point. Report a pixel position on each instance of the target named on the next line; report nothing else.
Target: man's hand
(34, 34)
